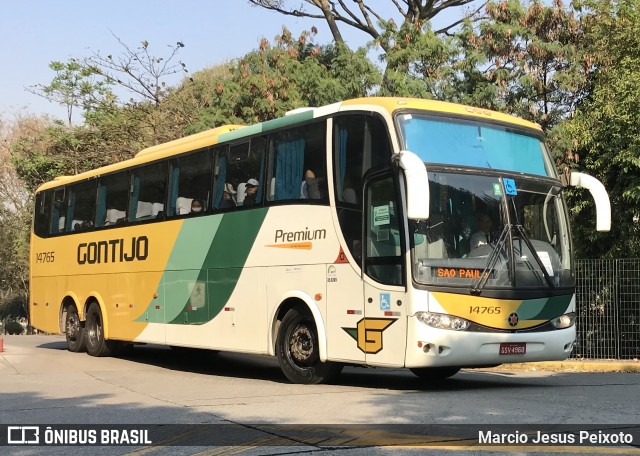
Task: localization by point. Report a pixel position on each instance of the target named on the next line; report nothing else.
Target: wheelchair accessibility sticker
(385, 301)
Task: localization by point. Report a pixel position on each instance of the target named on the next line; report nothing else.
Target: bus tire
(435, 373)
(74, 330)
(94, 333)
(298, 352)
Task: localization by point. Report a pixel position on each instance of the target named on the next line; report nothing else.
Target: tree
(290, 73)
(419, 63)
(74, 86)
(15, 211)
(532, 56)
(604, 135)
(362, 16)
(137, 70)
(13, 308)
(398, 39)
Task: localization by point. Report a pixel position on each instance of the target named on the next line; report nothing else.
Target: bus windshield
(471, 143)
(475, 231)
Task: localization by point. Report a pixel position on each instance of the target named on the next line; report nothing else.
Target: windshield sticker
(510, 187)
(381, 215)
(546, 261)
(497, 190)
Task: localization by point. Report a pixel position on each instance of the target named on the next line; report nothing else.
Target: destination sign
(458, 273)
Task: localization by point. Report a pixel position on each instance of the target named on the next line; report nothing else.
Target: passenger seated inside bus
(196, 206)
(483, 234)
(311, 187)
(228, 197)
(251, 190)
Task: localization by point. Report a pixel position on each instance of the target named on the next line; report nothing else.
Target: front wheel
(435, 373)
(298, 353)
(74, 330)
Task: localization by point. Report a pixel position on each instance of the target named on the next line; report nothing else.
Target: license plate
(515, 348)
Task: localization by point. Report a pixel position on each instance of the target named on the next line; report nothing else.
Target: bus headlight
(564, 321)
(443, 321)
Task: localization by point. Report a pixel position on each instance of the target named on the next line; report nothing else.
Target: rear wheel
(97, 345)
(298, 352)
(435, 373)
(74, 330)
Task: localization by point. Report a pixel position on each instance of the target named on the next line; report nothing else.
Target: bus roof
(231, 132)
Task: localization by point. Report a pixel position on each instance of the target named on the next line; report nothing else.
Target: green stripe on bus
(544, 308)
(287, 120)
(240, 133)
(266, 126)
(222, 266)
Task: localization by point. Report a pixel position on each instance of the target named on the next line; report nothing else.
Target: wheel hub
(73, 326)
(302, 345)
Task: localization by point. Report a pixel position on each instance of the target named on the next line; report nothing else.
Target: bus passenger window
(42, 213)
(190, 180)
(111, 207)
(297, 164)
(81, 205)
(239, 170)
(147, 189)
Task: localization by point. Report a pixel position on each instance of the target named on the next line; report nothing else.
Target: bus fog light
(443, 321)
(564, 321)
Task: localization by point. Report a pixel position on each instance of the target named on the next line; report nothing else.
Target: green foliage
(419, 63)
(605, 133)
(531, 56)
(13, 308)
(13, 327)
(75, 85)
(290, 73)
(572, 70)
(14, 253)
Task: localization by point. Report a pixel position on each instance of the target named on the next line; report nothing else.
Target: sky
(35, 32)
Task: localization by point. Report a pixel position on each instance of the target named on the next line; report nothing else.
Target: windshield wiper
(525, 238)
(479, 284)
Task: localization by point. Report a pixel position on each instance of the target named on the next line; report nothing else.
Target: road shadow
(257, 367)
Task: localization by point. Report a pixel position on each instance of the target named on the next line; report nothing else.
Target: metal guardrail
(608, 309)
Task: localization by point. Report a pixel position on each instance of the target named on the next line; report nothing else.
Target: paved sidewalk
(578, 365)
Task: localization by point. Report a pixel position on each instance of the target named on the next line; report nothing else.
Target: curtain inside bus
(101, 206)
(175, 188)
(343, 135)
(289, 168)
(220, 178)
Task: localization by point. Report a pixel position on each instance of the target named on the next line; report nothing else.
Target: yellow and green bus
(377, 231)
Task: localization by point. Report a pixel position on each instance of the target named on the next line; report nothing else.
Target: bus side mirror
(600, 196)
(415, 173)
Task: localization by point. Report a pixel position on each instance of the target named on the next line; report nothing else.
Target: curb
(576, 366)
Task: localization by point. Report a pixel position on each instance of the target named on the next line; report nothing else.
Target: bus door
(383, 330)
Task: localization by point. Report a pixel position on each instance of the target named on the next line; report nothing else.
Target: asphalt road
(253, 409)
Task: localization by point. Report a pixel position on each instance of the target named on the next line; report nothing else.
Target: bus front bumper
(433, 347)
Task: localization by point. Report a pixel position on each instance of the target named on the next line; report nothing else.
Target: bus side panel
(244, 314)
(45, 305)
(303, 280)
(128, 294)
(344, 313)
(217, 309)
